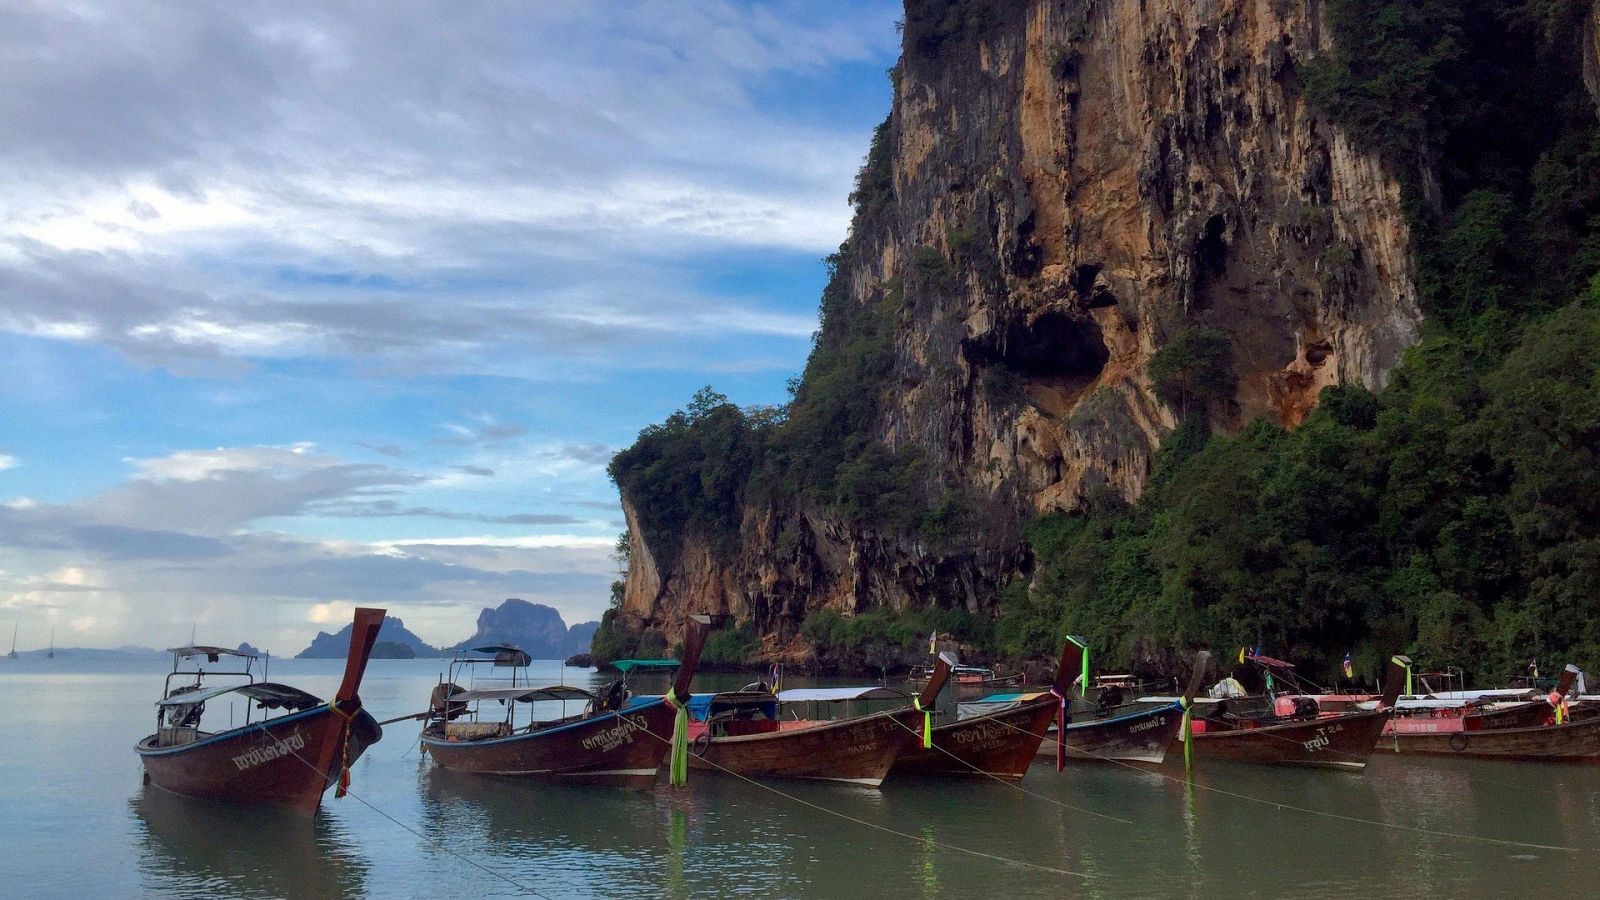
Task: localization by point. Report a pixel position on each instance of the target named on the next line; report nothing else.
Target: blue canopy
(627, 665)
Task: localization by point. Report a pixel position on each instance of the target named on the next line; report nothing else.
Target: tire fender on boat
(1458, 742)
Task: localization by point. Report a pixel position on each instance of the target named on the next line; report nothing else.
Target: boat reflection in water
(196, 848)
(536, 831)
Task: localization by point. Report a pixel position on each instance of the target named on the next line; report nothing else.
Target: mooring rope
(1416, 829)
(1013, 785)
(920, 839)
(437, 842)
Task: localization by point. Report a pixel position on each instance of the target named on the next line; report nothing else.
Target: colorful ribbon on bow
(678, 756)
(344, 753)
(927, 723)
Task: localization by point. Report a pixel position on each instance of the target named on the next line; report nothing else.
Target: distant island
(534, 627)
(337, 645)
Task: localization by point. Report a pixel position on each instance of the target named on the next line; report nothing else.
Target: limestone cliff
(1074, 183)
(1591, 51)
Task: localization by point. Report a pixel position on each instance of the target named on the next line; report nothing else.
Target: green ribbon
(678, 769)
(927, 723)
(1407, 667)
(1084, 646)
(1188, 734)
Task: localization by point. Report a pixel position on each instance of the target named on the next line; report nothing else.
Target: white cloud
(7, 461)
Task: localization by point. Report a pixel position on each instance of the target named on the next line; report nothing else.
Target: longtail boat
(1497, 728)
(990, 739)
(741, 733)
(1143, 731)
(616, 740)
(1312, 737)
(288, 760)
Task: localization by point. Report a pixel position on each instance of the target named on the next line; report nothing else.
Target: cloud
(379, 509)
(486, 431)
(593, 454)
(480, 471)
(7, 461)
(199, 185)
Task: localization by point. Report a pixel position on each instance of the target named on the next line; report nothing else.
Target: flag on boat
(933, 644)
(1349, 670)
(775, 676)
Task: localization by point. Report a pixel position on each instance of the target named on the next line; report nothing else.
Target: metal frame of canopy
(508, 656)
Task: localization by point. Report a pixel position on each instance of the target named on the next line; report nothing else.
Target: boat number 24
(1322, 740)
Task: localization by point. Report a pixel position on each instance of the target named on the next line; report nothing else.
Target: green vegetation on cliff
(1455, 516)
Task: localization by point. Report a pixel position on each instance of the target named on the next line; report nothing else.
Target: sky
(306, 306)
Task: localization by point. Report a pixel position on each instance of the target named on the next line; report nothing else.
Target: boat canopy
(523, 694)
(628, 665)
(837, 694)
(704, 706)
(1269, 661)
(1007, 698)
(506, 655)
(1198, 701)
(1498, 694)
(212, 654)
(270, 695)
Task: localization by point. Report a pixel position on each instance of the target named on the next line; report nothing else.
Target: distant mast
(13, 653)
(52, 653)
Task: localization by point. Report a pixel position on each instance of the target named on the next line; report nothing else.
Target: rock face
(1098, 177)
(1591, 51)
(534, 627)
(337, 645)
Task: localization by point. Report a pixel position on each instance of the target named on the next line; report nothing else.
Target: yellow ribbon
(678, 756)
(927, 723)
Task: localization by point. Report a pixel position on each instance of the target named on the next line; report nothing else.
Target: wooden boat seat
(475, 731)
(176, 737)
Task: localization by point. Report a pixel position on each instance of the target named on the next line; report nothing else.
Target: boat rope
(435, 841)
(1011, 784)
(917, 838)
(344, 748)
(1415, 829)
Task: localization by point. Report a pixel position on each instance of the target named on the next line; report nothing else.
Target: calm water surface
(77, 823)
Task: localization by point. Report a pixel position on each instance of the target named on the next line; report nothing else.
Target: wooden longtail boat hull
(618, 749)
(1341, 741)
(1576, 742)
(1001, 744)
(859, 750)
(1140, 737)
(288, 761)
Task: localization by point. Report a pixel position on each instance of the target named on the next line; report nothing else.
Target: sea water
(75, 820)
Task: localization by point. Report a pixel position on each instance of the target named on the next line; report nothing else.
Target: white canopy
(833, 695)
(523, 694)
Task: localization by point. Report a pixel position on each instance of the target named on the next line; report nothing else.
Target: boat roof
(971, 670)
(524, 694)
(210, 653)
(701, 705)
(270, 695)
(1496, 694)
(504, 655)
(1269, 661)
(627, 665)
(1197, 700)
(1008, 698)
(837, 694)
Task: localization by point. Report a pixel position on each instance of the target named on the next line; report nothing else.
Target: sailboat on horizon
(52, 653)
(13, 653)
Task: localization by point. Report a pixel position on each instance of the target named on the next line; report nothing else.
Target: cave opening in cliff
(1057, 346)
(1211, 251)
